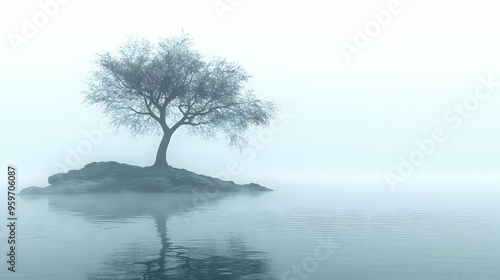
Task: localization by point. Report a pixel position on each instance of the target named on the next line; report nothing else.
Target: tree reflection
(234, 262)
(207, 259)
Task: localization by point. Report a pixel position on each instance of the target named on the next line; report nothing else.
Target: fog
(350, 117)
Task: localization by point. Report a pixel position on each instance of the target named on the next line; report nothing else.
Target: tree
(160, 88)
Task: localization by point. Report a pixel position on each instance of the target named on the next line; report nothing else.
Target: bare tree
(158, 89)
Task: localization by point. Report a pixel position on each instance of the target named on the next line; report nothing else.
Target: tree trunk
(161, 155)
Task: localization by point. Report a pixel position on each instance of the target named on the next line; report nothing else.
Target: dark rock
(114, 177)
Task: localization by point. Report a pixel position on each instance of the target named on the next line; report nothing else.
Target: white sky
(352, 120)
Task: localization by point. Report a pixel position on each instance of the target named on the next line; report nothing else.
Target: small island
(159, 89)
(114, 177)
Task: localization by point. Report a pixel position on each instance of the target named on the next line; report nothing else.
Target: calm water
(299, 233)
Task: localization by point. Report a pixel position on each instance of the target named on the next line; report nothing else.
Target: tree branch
(153, 115)
(135, 111)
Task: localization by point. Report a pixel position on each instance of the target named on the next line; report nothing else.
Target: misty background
(352, 121)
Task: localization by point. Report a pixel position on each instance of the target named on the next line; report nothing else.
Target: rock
(114, 177)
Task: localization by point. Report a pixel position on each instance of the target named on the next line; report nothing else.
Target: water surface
(299, 233)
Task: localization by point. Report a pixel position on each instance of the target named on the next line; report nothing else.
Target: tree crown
(159, 88)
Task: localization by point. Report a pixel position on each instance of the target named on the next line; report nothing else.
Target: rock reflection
(207, 259)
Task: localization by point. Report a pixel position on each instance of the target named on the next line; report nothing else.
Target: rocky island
(114, 177)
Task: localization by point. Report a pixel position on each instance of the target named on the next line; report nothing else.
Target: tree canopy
(159, 88)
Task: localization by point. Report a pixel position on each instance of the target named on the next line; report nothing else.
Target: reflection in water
(126, 237)
(207, 260)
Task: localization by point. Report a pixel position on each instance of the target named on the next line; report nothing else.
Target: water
(296, 233)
